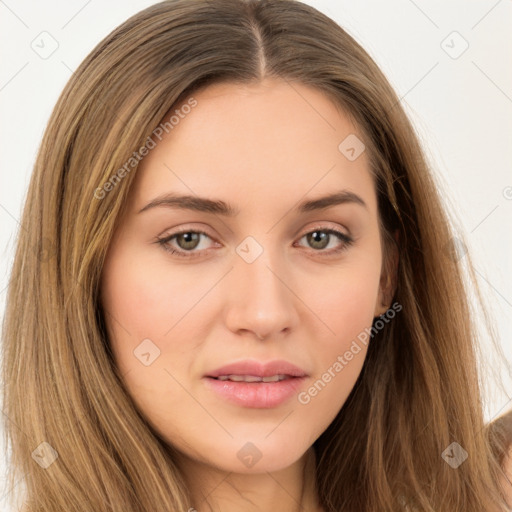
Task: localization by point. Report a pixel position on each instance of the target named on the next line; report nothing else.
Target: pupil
(319, 237)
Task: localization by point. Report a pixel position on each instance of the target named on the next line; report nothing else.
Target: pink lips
(260, 394)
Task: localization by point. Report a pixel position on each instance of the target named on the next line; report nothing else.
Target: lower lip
(259, 395)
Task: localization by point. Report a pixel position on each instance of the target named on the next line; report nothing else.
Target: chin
(249, 456)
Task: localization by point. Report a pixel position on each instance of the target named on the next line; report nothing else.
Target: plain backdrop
(450, 63)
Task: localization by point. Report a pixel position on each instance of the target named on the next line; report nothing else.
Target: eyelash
(164, 242)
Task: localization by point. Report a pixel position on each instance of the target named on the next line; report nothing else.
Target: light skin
(262, 148)
(506, 477)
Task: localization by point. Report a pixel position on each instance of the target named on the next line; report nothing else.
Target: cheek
(143, 299)
(346, 309)
(148, 306)
(345, 302)
(140, 308)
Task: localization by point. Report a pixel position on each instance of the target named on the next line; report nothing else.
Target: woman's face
(267, 286)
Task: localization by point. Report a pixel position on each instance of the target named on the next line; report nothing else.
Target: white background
(461, 108)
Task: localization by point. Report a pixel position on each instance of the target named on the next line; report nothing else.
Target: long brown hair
(419, 389)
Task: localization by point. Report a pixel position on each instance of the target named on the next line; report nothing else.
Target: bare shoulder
(501, 434)
(507, 476)
(503, 428)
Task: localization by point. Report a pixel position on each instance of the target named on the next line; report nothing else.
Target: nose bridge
(262, 301)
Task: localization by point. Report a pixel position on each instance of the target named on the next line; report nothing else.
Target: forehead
(275, 141)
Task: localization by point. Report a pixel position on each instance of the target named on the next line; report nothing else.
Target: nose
(261, 297)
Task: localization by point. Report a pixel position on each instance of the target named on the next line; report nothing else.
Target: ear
(388, 278)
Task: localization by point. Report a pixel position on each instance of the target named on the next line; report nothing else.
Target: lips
(256, 385)
(253, 378)
(258, 370)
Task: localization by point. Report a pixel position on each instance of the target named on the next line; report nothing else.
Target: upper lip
(258, 369)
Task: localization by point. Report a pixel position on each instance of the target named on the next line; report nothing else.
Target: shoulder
(502, 427)
(506, 480)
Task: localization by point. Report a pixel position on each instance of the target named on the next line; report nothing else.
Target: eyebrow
(219, 207)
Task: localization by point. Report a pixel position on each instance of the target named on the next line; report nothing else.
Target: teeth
(251, 378)
(274, 378)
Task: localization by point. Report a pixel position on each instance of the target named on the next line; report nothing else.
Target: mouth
(255, 371)
(253, 378)
(259, 394)
(256, 385)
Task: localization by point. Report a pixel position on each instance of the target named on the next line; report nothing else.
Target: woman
(237, 288)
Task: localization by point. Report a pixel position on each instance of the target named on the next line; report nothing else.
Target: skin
(506, 477)
(262, 148)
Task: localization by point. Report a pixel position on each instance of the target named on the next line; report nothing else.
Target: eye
(188, 240)
(320, 238)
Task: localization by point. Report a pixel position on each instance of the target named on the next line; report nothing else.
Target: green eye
(187, 241)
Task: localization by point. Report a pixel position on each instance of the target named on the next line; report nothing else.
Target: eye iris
(188, 238)
(318, 237)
